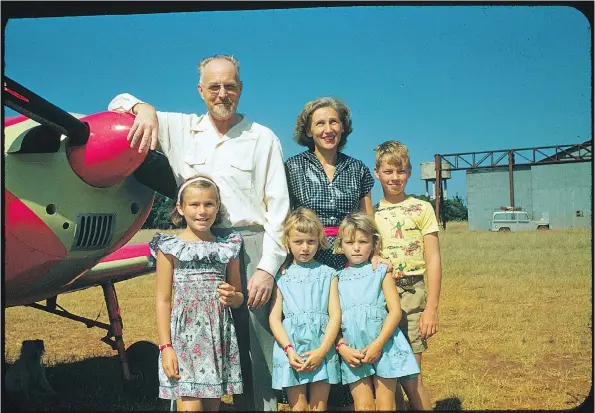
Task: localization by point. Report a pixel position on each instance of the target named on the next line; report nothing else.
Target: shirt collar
(203, 122)
(199, 123)
(383, 203)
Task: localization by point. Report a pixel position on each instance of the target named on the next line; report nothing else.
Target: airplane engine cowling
(107, 158)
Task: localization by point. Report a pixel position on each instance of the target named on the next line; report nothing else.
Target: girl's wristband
(164, 346)
(287, 347)
(339, 345)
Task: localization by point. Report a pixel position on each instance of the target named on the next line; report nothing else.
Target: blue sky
(441, 79)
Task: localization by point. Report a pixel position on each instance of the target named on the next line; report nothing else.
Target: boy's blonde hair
(394, 153)
(306, 221)
(201, 182)
(358, 221)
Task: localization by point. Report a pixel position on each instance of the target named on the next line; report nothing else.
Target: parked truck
(509, 219)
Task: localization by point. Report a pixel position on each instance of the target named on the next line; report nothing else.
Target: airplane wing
(130, 261)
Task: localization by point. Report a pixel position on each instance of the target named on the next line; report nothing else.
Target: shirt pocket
(194, 163)
(240, 173)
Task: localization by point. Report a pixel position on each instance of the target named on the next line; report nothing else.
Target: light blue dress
(363, 311)
(305, 289)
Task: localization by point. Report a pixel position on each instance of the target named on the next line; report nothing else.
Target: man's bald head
(218, 62)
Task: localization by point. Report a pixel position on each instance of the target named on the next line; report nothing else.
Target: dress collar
(313, 264)
(360, 265)
(342, 160)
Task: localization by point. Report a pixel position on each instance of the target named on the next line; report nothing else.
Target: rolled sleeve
(124, 102)
(276, 200)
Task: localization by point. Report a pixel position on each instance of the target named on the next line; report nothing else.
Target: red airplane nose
(107, 158)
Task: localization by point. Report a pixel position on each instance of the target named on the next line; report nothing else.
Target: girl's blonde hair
(303, 220)
(200, 181)
(358, 221)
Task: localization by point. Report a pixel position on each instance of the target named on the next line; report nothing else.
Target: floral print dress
(202, 330)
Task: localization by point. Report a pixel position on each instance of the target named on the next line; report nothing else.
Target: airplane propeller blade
(22, 100)
(155, 173)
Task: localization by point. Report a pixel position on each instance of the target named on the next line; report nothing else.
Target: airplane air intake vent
(93, 231)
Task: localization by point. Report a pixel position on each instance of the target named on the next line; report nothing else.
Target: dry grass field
(515, 328)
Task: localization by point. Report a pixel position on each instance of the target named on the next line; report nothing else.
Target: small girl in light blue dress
(374, 351)
(305, 317)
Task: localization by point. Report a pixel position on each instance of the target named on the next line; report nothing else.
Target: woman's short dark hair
(304, 120)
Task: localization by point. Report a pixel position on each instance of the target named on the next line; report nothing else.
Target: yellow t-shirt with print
(402, 227)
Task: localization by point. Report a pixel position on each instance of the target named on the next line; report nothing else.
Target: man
(245, 160)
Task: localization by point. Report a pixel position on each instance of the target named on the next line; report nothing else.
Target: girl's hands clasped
(227, 293)
(353, 357)
(169, 360)
(372, 352)
(313, 361)
(295, 361)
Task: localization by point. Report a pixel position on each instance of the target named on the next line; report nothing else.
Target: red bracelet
(339, 345)
(164, 346)
(287, 347)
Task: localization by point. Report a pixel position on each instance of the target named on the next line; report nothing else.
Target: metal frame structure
(542, 155)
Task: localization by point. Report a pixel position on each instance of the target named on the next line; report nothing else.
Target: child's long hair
(201, 182)
(303, 220)
(358, 221)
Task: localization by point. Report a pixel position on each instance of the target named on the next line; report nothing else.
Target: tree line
(454, 209)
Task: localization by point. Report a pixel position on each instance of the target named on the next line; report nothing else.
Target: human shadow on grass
(94, 384)
(449, 403)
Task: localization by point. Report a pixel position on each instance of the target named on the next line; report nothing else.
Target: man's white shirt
(246, 163)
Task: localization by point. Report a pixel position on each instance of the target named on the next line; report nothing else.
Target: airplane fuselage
(57, 226)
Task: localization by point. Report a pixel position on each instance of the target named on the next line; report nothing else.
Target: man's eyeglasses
(230, 88)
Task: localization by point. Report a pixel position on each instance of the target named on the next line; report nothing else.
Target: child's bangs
(305, 226)
(395, 159)
(351, 229)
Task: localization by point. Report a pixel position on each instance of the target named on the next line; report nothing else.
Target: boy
(409, 232)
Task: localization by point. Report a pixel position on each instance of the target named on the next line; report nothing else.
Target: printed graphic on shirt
(402, 227)
(413, 209)
(411, 248)
(398, 232)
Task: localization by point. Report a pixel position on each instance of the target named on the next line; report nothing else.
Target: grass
(515, 328)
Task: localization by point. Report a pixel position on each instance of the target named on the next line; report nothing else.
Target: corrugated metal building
(564, 191)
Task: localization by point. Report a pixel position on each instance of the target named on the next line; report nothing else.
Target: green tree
(160, 213)
(454, 209)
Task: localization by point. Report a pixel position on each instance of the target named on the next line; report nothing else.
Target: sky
(440, 79)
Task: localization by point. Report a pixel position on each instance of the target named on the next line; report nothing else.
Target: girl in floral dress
(199, 358)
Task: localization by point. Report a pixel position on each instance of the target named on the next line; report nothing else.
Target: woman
(323, 178)
(329, 182)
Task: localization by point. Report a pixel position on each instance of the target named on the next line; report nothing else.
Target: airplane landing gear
(139, 362)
